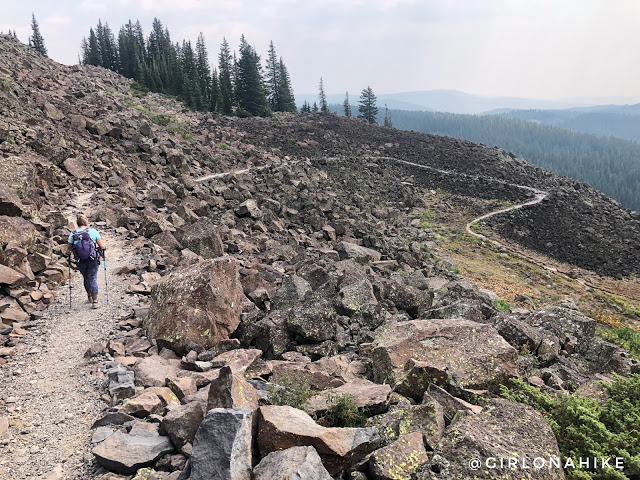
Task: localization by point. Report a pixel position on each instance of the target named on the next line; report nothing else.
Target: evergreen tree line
(239, 85)
(609, 164)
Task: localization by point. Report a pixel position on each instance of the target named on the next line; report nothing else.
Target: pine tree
(387, 117)
(249, 83)
(315, 107)
(35, 40)
(367, 107)
(287, 102)
(203, 73)
(273, 78)
(225, 66)
(214, 93)
(324, 108)
(14, 34)
(93, 54)
(305, 107)
(347, 105)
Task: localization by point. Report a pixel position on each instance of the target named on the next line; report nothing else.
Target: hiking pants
(89, 271)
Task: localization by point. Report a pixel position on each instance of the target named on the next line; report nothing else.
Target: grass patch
(456, 270)
(501, 305)
(624, 336)
(224, 146)
(584, 428)
(425, 219)
(290, 390)
(343, 411)
(161, 119)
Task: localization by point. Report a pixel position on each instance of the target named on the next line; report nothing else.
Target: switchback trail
(51, 392)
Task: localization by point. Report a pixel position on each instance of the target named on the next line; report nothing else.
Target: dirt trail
(51, 392)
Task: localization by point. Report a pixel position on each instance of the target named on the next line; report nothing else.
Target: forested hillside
(609, 164)
(621, 122)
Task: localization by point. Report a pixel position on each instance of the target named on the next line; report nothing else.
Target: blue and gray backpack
(84, 247)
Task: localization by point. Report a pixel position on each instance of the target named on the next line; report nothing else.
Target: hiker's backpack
(83, 246)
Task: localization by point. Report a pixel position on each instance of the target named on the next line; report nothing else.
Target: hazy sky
(531, 48)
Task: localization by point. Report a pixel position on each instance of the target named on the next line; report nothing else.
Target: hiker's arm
(101, 244)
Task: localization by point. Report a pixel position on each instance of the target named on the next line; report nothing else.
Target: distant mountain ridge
(454, 101)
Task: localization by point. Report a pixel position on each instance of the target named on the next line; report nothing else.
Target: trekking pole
(106, 285)
(69, 281)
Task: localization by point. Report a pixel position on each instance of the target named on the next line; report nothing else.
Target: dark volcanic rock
(222, 447)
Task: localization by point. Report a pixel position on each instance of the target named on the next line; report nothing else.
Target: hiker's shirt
(93, 233)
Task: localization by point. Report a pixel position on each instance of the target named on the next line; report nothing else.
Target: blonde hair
(82, 221)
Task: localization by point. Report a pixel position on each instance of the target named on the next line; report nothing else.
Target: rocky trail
(53, 397)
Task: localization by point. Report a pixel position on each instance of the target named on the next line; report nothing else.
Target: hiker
(84, 243)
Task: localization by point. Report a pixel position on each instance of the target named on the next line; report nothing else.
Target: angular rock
(200, 303)
(9, 276)
(153, 371)
(240, 360)
(142, 405)
(284, 427)
(202, 237)
(563, 322)
(494, 432)
(295, 463)
(231, 390)
(10, 203)
(249, 208)
(365, 394)
(126, 454)
(359, 254)
(76, 168)
(400, 460)
(182, 386)
(428, 419)
(410, 355)
(291, 292)
(181, 423)
(222, 447)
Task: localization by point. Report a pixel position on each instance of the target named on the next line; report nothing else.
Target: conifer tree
(315, 107)
(225, 66)
(273, 78)
(92, 56)
(346, 105)
(305, 107)
(387, 117)
(249, 83)
(367, 107)
(35, 40)
(214, 93)
(203, 72)
(285, 96)
(324, 108)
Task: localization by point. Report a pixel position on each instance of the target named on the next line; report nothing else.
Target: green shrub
(625, 336)
(161, 119)
(456, 270)
(224, 146)
(290, 390)
(585, 428)
(501, 305)
(139, 90)
(343, 411)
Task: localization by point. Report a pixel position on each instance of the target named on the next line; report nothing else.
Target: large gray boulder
(296, 463)
(126, 454)
(222, 447)
(202, 237)
(199, 303)
(181, 423)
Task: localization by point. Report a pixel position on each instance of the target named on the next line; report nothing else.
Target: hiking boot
(94, 302)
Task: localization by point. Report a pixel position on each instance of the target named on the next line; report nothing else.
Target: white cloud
(93, 6)
(57, 19)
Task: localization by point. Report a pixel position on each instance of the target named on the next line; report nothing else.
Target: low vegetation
(501, 305)
(343, 411)
(290, 390)
(585, 428)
